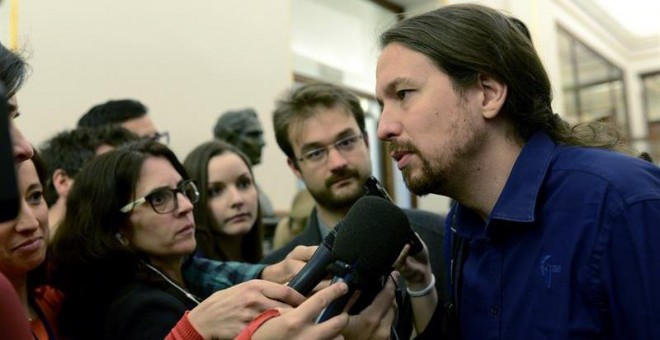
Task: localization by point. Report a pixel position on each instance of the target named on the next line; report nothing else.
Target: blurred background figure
(129, 113)
(228, 220)
(66, 153)
(295, 221)
(242, 129)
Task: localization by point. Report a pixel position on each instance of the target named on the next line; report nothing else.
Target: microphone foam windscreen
(372, 235)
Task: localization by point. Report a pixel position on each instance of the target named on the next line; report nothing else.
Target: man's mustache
(340, 176)
(405, 146)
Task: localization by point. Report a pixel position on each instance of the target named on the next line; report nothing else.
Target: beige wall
(186, 60)
(190, 60)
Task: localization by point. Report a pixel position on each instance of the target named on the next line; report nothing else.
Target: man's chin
(418, 184)
(347, 197)
(346, 187)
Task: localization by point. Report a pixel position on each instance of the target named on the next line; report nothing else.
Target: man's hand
(416, 270)
(375, 321)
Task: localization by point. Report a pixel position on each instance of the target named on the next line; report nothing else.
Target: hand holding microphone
(315, 269)
(286, 269)
(375, 321)
(372, 236)
(415, 269)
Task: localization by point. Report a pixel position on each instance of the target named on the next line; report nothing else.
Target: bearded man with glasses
(321, 129)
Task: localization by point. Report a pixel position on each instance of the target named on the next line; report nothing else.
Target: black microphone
(373, 187)
(315, 269)
(9, 200)
(373, 234)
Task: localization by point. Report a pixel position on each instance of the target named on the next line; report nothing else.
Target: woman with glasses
(121, 257)
(228, 215)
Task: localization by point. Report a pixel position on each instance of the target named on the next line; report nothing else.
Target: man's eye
(346, 142)
(314, 154)
(401, 94)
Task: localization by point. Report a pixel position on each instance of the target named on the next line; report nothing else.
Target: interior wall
(337, 41)
(188, 61)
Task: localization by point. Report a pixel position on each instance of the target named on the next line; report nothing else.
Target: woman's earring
(121, 239)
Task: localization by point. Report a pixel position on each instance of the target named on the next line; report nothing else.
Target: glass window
(651, 85)
(651, 91)
(593, 87)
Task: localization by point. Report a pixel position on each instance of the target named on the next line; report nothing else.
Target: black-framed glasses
(162, 137)
(320, 155)
(164, 200)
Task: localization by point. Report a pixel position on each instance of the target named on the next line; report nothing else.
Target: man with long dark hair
(554, 232)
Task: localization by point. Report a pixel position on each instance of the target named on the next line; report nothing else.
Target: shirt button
(494, 310)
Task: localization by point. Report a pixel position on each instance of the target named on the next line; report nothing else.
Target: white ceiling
(640, 18)
(626, 19)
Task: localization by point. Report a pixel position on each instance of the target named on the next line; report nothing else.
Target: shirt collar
(324, 229)
(517, 202)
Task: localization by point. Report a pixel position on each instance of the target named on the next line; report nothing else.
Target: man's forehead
(325, 125)
(141, 126)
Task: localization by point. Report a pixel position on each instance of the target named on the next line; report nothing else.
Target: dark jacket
(145, 311)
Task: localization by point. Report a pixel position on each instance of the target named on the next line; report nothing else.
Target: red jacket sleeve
(184, 330)
(248, 331)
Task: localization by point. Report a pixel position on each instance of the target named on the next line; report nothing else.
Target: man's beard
(431, 176)
(434, 174)
(327, 198)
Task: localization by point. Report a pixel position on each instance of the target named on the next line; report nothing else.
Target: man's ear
(62, 182)
(294, 167)
(494, 95)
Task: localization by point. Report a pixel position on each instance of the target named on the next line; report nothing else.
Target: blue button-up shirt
(571, 249)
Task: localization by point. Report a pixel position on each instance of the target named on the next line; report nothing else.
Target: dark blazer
(429, 226)
(145, 311)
